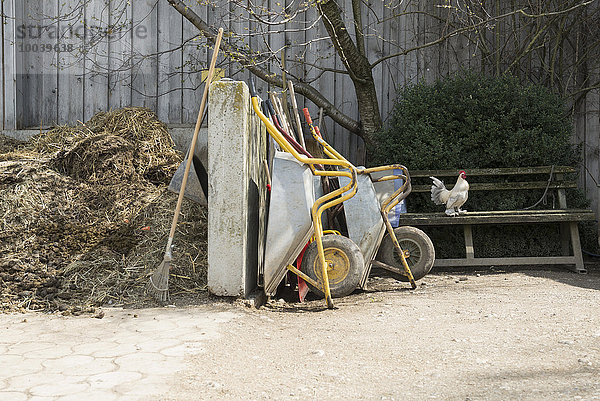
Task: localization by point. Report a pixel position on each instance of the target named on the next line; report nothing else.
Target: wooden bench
(550, 179)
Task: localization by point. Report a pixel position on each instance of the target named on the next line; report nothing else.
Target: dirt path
(532, 335)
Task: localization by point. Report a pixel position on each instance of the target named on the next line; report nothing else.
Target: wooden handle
(211, 71)
(296, 114)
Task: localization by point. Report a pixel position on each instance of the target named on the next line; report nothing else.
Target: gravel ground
(520, 335)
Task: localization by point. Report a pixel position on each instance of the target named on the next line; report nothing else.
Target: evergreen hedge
(471, 121)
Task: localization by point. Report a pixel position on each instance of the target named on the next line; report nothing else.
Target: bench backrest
(505, 179)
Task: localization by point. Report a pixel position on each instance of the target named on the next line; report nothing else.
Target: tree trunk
(368, 108)
(358, 67)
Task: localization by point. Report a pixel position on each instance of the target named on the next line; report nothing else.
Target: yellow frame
(338, 196)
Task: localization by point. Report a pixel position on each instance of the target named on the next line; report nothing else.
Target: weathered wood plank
(410, 39)
(511, 261)
(170, 37)
(494, 171)
(505, 186)
(31, 82)
(145, 66)
(120, 55)
(96, 58)
(195, 58)
(50, 57)
(9, 68)
(70, 63)
(505, 217)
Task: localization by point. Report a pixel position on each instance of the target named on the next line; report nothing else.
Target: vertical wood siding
(154, 58)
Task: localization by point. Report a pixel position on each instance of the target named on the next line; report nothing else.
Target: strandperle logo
(68, 38)
(80, 31)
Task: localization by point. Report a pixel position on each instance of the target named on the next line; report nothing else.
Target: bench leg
(469, 250)
(579, 267)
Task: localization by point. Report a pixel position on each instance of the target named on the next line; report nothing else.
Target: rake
(158, 285)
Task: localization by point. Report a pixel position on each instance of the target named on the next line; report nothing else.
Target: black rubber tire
(419, 246)
(347, 265)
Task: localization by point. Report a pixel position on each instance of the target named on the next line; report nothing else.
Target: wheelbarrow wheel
(345, 265)
(421, 253)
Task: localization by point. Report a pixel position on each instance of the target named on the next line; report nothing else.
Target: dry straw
(82, 211)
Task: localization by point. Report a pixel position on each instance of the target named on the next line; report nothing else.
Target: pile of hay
(86, 215)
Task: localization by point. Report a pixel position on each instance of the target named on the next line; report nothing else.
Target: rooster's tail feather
(439, 193)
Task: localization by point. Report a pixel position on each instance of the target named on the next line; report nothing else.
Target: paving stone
(113, 379)
(12, 396)
(184, 334)
(58, 337)
(92, 347)
(60, 389)
(28, 346)
(158, 345)
(119, 358)
(26, 382)
(79, 365)
(22, 367)
(56, 351)
(115, 351)
(37, 398)
(9, 332)
(139, 361)
(98, 366)
(70, 362)
(11, 360)
(90, 395)
(148, 326)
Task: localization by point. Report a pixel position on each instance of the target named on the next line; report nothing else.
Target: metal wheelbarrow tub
(365, 224)
(290, 224)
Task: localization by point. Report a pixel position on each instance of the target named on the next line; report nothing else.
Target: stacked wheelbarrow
(309, 196)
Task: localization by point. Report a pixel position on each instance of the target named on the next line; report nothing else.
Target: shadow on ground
(561, 274)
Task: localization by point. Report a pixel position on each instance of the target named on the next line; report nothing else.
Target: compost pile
(86, 215)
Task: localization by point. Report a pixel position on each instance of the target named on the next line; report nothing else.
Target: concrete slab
(236, 190)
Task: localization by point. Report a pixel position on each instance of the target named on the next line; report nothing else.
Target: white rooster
(453, 199)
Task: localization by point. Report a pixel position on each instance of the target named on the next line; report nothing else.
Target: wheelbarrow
(333, 265)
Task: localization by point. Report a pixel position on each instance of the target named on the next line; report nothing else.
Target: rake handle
(188, 164)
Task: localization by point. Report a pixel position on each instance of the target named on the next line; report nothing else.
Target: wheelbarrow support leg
(392, 235)
(319, 239)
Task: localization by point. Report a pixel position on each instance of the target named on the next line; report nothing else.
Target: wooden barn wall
(154, 59)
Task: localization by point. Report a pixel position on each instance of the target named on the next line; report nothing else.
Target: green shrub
(475, 121)
(471, 121)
